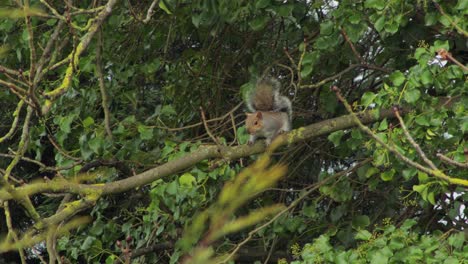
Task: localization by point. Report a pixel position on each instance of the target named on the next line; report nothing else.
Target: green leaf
(259, 22)
(87, 243)
(420, 188)
(172, 188)
(431, 18)
(422, 120)
(96, 144)
(88, 121)
(367, 98)
(431, 198)
(419, 52)
(326, 28)
(426, 77)
(387, 175)
(146, 133)
(187, 180)
(371, 171)
(391, 26)
(412, 95)
(457, 240)
(322, 43)
(262, 4)
(464, 125)
(310, 58)
(363, 235)
(462, 5)
(381, 256)
(397, 78)
(306, 70)
(383, 125)
(376, 4)
(396, 243)
(408, 224)
(163, 6)
(284, 9)
(360, 221)
(441, 44)
(379, 23)
(409, 173)
(65, 123)
(335, 137)
(422, 177)
(168, 110)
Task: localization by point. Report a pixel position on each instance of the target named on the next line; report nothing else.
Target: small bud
(128, 239)
(119, 244)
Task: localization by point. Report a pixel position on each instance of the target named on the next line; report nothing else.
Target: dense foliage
(121, 136)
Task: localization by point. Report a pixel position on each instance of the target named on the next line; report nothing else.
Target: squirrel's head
(254, 122)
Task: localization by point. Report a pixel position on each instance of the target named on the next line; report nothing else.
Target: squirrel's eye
(256, 123)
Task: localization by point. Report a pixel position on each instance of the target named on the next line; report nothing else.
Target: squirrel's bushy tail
(262, 97)
(265, 97)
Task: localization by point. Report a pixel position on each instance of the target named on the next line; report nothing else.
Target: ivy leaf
(87, 243)
(88, 121)
(146, 133)
(95, 144)
(172, 188)
(187, 180)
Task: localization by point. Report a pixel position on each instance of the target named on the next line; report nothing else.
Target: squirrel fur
(271, 112)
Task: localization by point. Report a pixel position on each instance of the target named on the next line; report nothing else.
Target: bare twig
(436, 173)
(411, 140)
(32, 48)
(102, 87)
(448, 56)
(215, 140)
(451, 161)
(150, 11)
(16, 114)
(12, 232)
(304, 195)
(459, 29)
(358, 56)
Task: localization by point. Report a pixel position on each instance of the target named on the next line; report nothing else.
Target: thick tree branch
(205, 152)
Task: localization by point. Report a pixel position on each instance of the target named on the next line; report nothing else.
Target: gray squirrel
(271, 113)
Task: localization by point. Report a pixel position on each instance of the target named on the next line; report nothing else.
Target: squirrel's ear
(259, 115)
